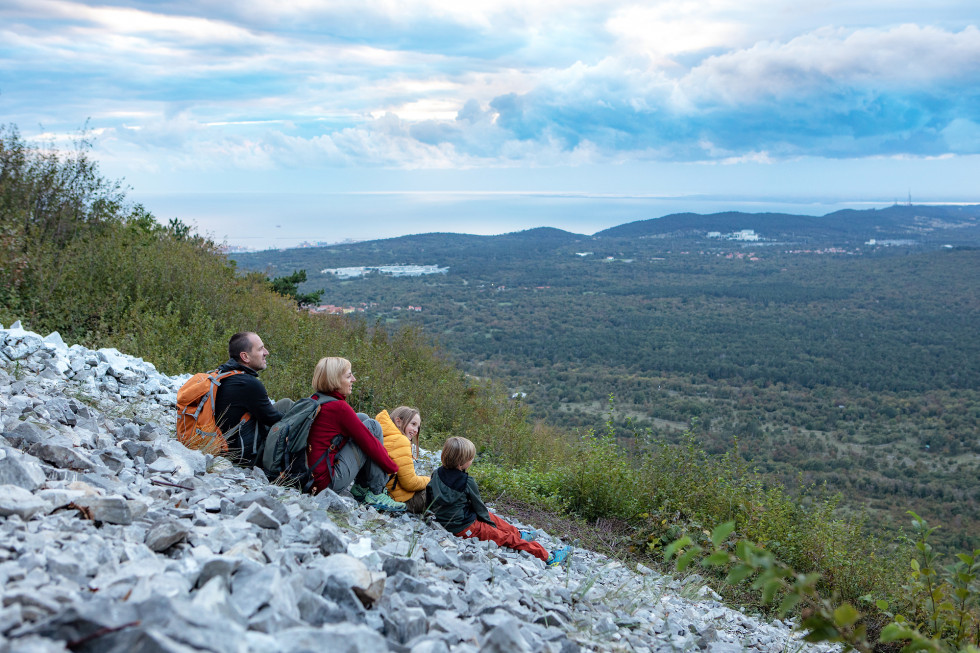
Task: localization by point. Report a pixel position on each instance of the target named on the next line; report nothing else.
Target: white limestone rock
(15, 500)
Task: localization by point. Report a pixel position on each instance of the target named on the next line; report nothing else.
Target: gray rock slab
(142, 639)
(165, 534)
(332, 539)
(429, 604)
(112, 509)
(63, 457)
(83, 620)
(115, 461)
(274, 506)
(404, 583)
(26, 433)
(269, 620)
(218, 567)
(437, 556)
(136, 449)
(129, 431)
(256, 514)
(10, 616)
(17, 348)
(189, 462)
(505, 638)
(34, 644)
(316, 610)
(20, 469)
(162, 466)
(429, 645)
(351, 572)
(256, 585)
(15, 500)
(396, 565)
(345, 598)
(215, 598)
(329, 500)
(337, 638)
(405, 624)
(462, 630)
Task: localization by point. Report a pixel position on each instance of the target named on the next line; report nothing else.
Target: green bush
(942, 602)
(78, 260)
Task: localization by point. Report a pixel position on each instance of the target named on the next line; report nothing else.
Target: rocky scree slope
(116, 538)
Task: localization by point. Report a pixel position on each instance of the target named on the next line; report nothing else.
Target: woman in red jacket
(341, 451)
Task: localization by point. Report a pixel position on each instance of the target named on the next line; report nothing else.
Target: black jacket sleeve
(259, 405)
(476, 502)
(240, 394)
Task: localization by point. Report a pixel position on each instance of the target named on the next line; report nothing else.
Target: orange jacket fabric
(405, 484)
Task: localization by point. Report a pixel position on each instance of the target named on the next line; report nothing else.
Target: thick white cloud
(438, 84)
(902, 57)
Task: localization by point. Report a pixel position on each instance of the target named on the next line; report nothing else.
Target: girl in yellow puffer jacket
(401, 429)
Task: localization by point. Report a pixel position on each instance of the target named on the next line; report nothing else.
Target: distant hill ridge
(929, 226)
(894, 221)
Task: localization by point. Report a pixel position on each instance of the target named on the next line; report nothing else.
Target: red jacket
(338, 418)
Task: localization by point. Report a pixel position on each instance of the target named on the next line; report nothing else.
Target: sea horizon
(260, 221)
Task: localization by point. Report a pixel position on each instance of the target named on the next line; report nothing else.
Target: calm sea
(266, 220)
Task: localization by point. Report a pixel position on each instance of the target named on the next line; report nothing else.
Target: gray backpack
(284, 458)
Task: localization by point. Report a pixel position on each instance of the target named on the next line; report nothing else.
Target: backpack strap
(333, 448)
(309, 484)
(245, 418)
(216, 378)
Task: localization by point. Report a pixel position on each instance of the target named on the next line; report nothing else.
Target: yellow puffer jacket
(405, 484)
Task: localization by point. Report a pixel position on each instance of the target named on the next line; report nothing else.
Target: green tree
(288, 286)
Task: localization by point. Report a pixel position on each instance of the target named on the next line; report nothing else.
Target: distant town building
(392, 270)
(891, 242)
(747, 235)
(330, 309)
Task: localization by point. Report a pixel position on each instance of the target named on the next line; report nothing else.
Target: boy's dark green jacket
(455, 500)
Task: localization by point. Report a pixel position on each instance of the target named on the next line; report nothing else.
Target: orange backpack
(196, 426)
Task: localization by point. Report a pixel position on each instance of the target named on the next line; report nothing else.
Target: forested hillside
(846, 363)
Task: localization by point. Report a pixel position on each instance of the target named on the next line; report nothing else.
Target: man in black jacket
(242, 394)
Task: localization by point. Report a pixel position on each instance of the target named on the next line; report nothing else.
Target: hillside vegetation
(831, 361)
(77, 258)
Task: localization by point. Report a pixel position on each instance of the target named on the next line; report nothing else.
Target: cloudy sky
(325, 118)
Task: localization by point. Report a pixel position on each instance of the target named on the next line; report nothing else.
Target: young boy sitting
(455, 501)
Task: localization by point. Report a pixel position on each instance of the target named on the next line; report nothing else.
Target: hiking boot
(382, 502)
(559, 556)
(358, 492)
(529, 536)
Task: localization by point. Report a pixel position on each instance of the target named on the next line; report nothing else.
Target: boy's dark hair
(457, 452)
(239, 342)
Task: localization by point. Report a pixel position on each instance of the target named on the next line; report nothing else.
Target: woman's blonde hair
(457, 452)
(329, 372)
(403, 414)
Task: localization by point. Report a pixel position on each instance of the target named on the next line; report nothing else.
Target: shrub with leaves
(943, 600)
(76, 258)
